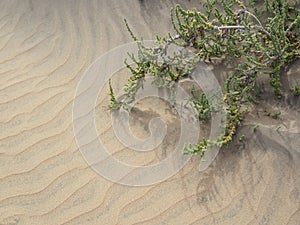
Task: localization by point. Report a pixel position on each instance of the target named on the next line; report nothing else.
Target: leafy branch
(230, 30)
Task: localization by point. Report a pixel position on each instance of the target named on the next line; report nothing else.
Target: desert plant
(201, 104)
(296, 91)
(242, 138)
(276, 115)
(255, 127)
(228, 29)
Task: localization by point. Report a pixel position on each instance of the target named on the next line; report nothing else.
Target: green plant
(276, 115)
(242, 138)
(255, 127)
(296, 91)
(201, 104)
(226, 29)
(114, 103)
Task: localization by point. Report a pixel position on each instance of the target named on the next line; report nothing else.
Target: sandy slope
(45, 48)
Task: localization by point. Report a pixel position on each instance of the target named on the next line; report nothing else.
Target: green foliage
(255, 127)
(114, 103)
(276, 115)
(296, 91)
(242, 138)
(227, 29)
(201, 104)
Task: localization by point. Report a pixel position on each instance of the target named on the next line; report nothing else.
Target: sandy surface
(46, 46)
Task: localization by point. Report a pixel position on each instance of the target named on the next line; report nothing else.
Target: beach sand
(46, 46)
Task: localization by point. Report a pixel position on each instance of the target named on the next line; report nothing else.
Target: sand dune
(46, 46)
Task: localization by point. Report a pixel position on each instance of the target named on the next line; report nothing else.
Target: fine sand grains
(46, 46)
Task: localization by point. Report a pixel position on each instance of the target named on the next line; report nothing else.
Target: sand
(46, 46)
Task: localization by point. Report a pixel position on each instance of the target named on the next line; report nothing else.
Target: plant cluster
(227, 29)
(201, 104)
(296, 90)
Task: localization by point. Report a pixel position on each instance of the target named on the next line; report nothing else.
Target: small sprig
(201, 104)
(114, 103)
(296, 90)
